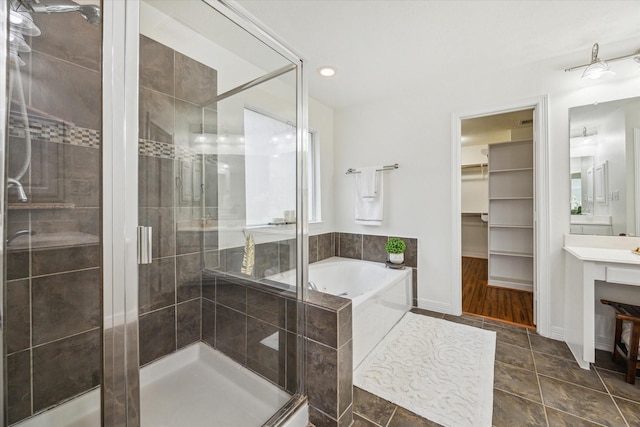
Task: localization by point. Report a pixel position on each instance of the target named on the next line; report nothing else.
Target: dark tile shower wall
(256, 325)
(253, 323)
(270, 258)
(54, 276)
(172, 200)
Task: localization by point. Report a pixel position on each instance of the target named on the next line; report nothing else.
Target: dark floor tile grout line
(392, 415)
(535, 369)
(600, 368)
(552, 355)
(574, 384)
(363, 416)
(575, 416)
(611, 396)
(626, 399)
(517, 395)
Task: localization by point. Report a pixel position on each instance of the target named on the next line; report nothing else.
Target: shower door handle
(144, 245)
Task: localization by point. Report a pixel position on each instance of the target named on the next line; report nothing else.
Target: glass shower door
(218, 143)
(52, 207)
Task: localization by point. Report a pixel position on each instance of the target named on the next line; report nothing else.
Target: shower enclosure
(152, 182)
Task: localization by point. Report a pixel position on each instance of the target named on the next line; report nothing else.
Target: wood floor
(478, 298)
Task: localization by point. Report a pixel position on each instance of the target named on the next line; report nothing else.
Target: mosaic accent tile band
(56, 132)
(67, 133)
(166, 151)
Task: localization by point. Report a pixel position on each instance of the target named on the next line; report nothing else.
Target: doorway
(497, 216)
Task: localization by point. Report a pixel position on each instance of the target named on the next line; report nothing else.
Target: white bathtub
(380, 296)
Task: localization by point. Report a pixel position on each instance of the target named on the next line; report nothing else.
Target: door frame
(120, 391)
(542, 273)
(636, 163)
(4, 143)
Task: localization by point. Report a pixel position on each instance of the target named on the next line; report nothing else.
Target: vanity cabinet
(511, 208)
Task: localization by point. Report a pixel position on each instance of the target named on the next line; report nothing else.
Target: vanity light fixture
(327, 71)
(598, 68)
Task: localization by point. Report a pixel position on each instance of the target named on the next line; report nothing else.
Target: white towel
(369, 210)
(366, 182)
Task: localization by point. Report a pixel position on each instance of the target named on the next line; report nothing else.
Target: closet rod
(473, 165)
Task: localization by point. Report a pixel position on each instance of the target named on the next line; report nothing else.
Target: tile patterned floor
(536, 383)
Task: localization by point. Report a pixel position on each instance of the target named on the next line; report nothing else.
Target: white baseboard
(437, 306)
(604, 342)
(472, 254)
(510, 285)
(557, 333)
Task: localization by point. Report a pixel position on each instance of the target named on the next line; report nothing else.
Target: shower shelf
(35, 206)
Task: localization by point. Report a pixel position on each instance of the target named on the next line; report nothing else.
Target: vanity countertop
(621, 256)
(591, 219)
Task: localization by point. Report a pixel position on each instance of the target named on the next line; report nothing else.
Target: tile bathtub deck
(536, 383)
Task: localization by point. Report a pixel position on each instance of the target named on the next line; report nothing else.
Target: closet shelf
(512, 253)
(511, 184)
(511, 226)
(510, 280)
(509, 170)
(512, 198)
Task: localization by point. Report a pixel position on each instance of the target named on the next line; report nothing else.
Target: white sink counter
(615, 256)
(591, 219)
(608, 260)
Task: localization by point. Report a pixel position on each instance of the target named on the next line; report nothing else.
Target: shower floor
(196, 386)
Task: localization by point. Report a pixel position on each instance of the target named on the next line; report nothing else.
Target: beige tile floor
(536, 383)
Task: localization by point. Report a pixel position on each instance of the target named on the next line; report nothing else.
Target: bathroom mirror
(604, 151)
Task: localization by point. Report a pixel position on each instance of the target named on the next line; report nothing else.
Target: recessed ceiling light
(327, 71)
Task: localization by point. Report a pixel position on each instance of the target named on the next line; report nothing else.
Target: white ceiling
(384, 47)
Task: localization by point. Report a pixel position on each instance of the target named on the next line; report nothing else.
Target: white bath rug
(440, 370)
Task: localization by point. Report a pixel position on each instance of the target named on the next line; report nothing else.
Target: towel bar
(384, 168)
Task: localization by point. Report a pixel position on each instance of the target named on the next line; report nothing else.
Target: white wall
(414, 130)
(321, 121)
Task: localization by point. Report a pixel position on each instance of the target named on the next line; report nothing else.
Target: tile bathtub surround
(372, 248)
(321, 246)
(329, 359)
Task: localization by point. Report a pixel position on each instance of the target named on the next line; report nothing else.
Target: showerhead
(89, 12)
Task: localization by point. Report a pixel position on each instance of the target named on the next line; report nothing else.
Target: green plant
(395, 246)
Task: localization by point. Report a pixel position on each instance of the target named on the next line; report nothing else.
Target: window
(270, 171)
(313, 178)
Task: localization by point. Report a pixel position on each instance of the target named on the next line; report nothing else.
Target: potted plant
(395, 248)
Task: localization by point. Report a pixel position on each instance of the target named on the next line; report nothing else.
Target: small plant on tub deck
(395, 248)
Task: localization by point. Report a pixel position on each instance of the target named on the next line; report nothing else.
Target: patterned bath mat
(440, 370)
